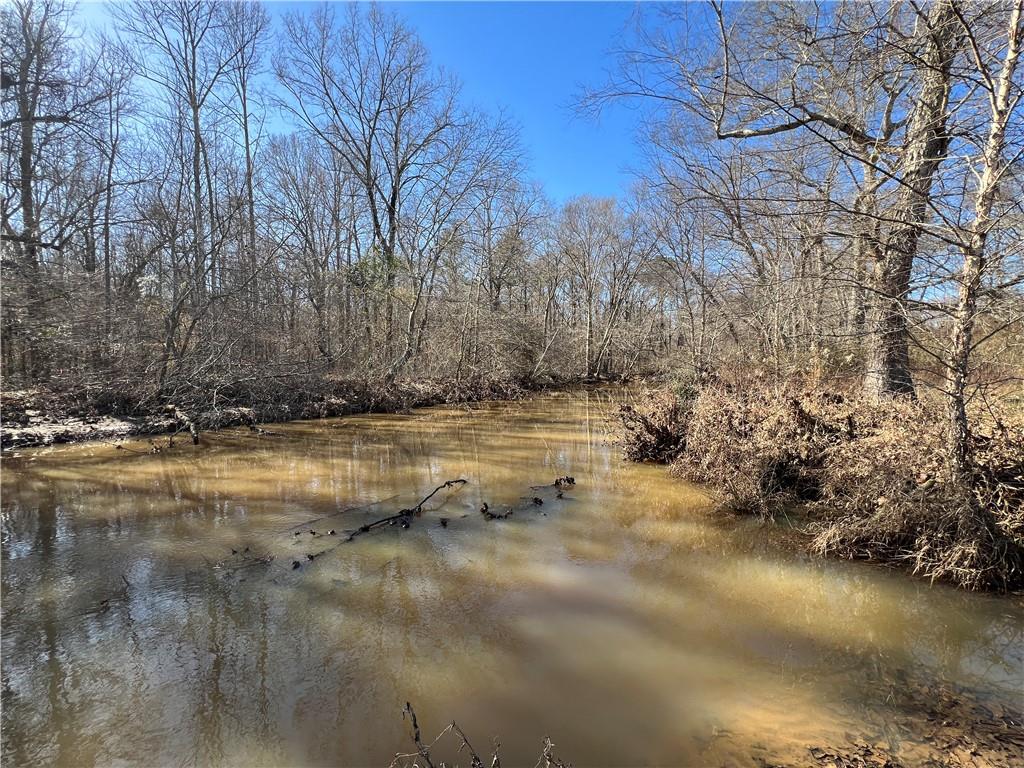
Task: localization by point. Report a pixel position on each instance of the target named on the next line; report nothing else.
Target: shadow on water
(625, 620)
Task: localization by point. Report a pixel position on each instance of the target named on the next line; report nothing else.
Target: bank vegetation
(203, 208)
(853, 229)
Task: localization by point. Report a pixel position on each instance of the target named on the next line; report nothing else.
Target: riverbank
(37, 417)
(869, 477)
(742, 651)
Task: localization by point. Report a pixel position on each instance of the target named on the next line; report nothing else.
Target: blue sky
(530, 58)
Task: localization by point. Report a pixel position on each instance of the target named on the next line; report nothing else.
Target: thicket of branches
(203, 195)
(842, 186)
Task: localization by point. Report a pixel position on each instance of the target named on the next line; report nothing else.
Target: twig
(308, 523)
(547, 758)
(418, 508)
(420, 747)
(475, 761)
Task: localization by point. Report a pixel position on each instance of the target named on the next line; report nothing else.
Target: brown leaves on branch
(655, 429)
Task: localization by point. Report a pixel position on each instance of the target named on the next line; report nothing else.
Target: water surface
(624, 620)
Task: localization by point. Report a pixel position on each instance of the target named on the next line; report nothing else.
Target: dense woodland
(196, 192)
(202, 195)
(196, 196)
(218, 213)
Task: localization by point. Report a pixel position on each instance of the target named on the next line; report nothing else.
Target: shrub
(655, 428)
(765, 444)
(871, 475)
(890, 496)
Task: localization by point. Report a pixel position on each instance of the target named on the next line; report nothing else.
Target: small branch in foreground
(547, 758)
(423, 750)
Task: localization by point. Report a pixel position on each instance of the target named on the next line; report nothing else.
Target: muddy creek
(624, 620)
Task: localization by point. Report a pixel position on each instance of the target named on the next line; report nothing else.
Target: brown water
(624, 620)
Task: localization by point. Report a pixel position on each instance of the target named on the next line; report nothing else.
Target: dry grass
(871, 475)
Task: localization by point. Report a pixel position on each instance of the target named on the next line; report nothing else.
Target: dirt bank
(43, 417)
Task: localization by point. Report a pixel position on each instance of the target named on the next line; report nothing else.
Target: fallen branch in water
(419, 507)
(560, 482)
(536, 501)
(243, 559)
(403, 516)
(305, 526)
(488, 515)
(547, 757)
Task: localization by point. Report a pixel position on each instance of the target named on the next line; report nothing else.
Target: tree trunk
(888, 371)
(974, 252)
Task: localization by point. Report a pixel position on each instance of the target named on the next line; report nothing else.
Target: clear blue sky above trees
(530, 59)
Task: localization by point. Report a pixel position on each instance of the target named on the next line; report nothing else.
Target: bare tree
(1002, 95)
(872, 86)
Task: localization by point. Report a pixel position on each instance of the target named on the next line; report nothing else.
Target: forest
(246, 245)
